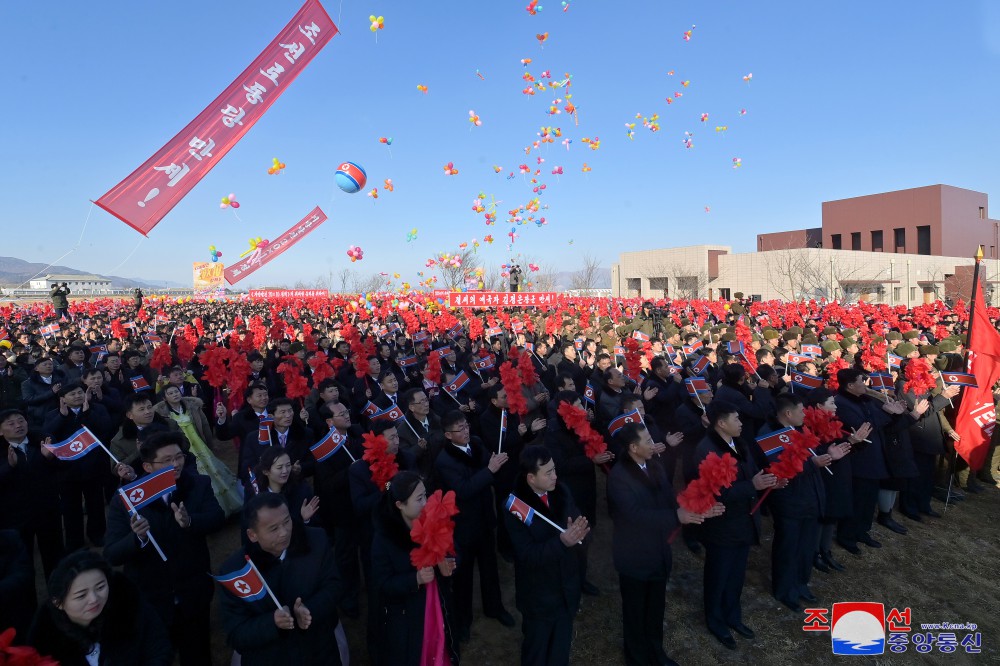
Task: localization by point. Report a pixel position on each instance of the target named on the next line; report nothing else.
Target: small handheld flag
(149, 488)
(696, 385)
(881, 381)
(332, 442)
(700, 365)
(894, 361)
(264, 431)
(959, 379)
(589, 395)
(811, 350)
(692, 348)
(485, 363)
(139, 383)
(640, 336)
(370, 409)
(460, 382)
(246, 584)
(623, 420)
(407, 361)
(393, 413)
(520, 509)
(791, 358)
(774, 443)
(805, 381)
(77, 445)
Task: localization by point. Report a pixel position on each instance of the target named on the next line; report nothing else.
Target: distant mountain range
(14, 272)
(564, 279)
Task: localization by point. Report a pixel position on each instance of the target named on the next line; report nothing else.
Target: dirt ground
(944, 570)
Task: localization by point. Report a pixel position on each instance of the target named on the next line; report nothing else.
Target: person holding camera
(515, 278)
(60, 302)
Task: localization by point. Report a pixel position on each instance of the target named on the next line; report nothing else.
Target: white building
(711, 271)
(78, 284)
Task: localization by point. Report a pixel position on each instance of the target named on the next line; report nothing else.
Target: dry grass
(944, 569)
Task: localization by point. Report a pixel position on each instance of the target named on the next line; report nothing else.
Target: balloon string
(237, 216)
(69, 252)
(129, 255)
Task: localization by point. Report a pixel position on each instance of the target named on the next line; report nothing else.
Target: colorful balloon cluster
(377, 23)
(276, 167)
(215, 253)
(412, 236)
(355, 253)
(229, 201)
(257, 243)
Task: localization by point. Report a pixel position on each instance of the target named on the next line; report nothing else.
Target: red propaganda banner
(275, 248)
(152, 190)
(289, 293)
(488, 299)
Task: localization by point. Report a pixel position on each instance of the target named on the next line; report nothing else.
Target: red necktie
(545, 499)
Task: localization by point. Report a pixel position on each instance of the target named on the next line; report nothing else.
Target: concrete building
(78, 284)
(907, 247)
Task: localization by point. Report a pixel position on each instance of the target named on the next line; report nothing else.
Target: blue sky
(846, 99)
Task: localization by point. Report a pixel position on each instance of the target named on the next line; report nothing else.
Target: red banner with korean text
(276, 247)
(489, 299)
(289, 293)
(152, 190)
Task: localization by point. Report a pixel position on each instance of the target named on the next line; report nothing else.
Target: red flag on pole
(976, 413)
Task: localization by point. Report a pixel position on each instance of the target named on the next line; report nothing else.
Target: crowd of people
(515, 412)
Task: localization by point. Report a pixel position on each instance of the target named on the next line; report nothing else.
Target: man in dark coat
(176, 588)
(39, 391)
(27, 475)
(421, 435)
(466, 467)
(293, 437)
(645, 515)
(546, 579)
(753, 412)
(727, 538)
(796, 509)
(81, 480)
(247, 418)
(299, 568)
(868, 462)
(928, 437)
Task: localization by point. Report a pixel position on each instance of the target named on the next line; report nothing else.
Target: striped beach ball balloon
(350, 177)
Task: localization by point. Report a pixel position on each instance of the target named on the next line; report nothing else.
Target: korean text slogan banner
(152, 190)
(245, 267)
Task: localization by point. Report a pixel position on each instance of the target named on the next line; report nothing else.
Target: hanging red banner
(275, 248)
(489, 299)
(152, 190)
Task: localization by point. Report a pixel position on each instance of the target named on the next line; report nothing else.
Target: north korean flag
(623, 420)
(520, 509)
(578, 343)
(959, 379)
(791, 358)
(77, 445)
(264, 431)
(139, 383)
(421, 336)
(393, 414)
(455, 331)
(812, 350)
(148, 489)
(669, 350)
(99, 350)
(485, 363)
(517, 326)
(735, 347)
(326, 447)
(246, 584)
(894, 361)
(152, 339)
(696, 385)
(881, 381)
(774, 443)
(692, 348)
(619, 350)
(700, 365)
(503, 421)
(493, 331)
(459, 383)
(370, 409)
(589, 395)
(440, 352)
(640, 336)
(51, 329)
(806, 381)
(407, 361)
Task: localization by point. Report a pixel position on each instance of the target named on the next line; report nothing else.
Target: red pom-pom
(715, 472)
(434, 530)
(575, 419)
(823, 424)
(382, 464)
(918, 377)
(511, 381)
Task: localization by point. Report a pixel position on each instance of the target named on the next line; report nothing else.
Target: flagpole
(539, 515)
(968, 346)
(149, 534)
(264, 581)
(828, 470)
(503, 429)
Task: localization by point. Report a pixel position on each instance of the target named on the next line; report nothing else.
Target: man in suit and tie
(296, 439)
(422, 435)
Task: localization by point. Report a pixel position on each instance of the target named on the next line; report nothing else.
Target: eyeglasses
(461, 428)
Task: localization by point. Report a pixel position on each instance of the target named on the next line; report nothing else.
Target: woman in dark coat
(401, 589)
(838, 504)
(92, 611)
(579, 474)
(274, 474)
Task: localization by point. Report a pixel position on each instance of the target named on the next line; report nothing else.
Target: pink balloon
(218, 254)
(235, 204)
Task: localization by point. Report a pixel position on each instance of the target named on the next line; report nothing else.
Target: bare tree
(585, 279)
(493, 280)
(454, 277)
(365, 284)
(345, 276)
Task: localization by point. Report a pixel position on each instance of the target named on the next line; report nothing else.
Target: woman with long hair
(95, 617)
(401, 588)
(187, 413)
